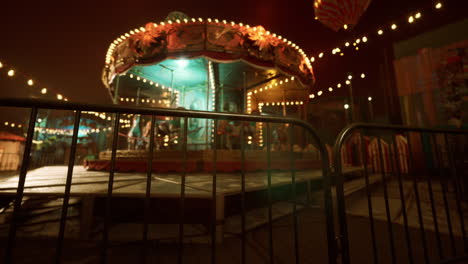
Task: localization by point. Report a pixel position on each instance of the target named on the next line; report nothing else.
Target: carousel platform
(166, 161)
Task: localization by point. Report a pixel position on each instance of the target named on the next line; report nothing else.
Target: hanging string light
(11, 72)
(393, 26)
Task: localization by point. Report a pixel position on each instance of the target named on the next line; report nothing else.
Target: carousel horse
(134, 135)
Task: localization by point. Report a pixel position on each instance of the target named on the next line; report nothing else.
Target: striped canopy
(335, 14)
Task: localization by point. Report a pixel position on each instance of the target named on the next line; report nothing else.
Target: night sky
(63, 44)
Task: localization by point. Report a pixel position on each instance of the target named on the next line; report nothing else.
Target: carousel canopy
(337, 14)
(177, 53)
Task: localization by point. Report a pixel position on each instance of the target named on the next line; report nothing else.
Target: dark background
(63, 44)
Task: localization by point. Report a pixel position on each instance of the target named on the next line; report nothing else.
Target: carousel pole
(244, 83)
(116, 90)
(284, 103)
(138, 96)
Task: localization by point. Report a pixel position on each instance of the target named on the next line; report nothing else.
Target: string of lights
(12, 72)
(338, 85)
(379, 32)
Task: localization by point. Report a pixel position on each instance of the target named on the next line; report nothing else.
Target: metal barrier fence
(413, 204)
(18, 196)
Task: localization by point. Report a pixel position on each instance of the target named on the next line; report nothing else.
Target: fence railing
(19, 195)
(413, 204)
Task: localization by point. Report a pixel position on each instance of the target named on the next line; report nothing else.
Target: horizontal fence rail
(414, 195)
(114, 181)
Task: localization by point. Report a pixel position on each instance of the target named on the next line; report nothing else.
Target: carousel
(206, 65)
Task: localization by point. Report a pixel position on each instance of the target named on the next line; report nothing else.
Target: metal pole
(116, 90)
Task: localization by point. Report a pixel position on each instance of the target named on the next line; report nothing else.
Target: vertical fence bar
(341, 243)
(270, 213)
(387, 206)
(149, 172)
(182, 194)
(434, 214)
(457, 194)
(443, 186)
(20, 190)
(105, 233)
(293, 181)
(369, 198)
(66, 198)
(402, 198)
(243, 238)
(213, 195)
(411, 171)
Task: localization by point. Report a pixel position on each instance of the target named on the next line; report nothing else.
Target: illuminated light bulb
(287, 103)
(65, 99)
(363, 75)
(320, 55)
(200, 19)
(354, 44)
(316, 18)
(369, 98)
(438, 5)
(126, 99)
(347, 44)
(330, 89)
(312, 59)
(394, 26)
(319, 93)
(358, 41)
(131, 76)
(11, 73)
(346, 106)
(348, 82)
(418, 15)
(341, 54)
(1, 65)
(138, 78)
(12, 124)
(364, 39)
(357, 48)
(209, 20)
(292, 78)
(333, 51)
(144, 80)
(380, 32)
(59, 96)
(30, 82)
(6, 123)
(194, 20)
(338, 85)
(43, 90)
(169, 21)
(178, 21)
(151, 83)
(345, 27)
(185, 20)
(20, 126)
(350, 77)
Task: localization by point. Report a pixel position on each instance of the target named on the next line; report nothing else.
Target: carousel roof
(143, 50)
